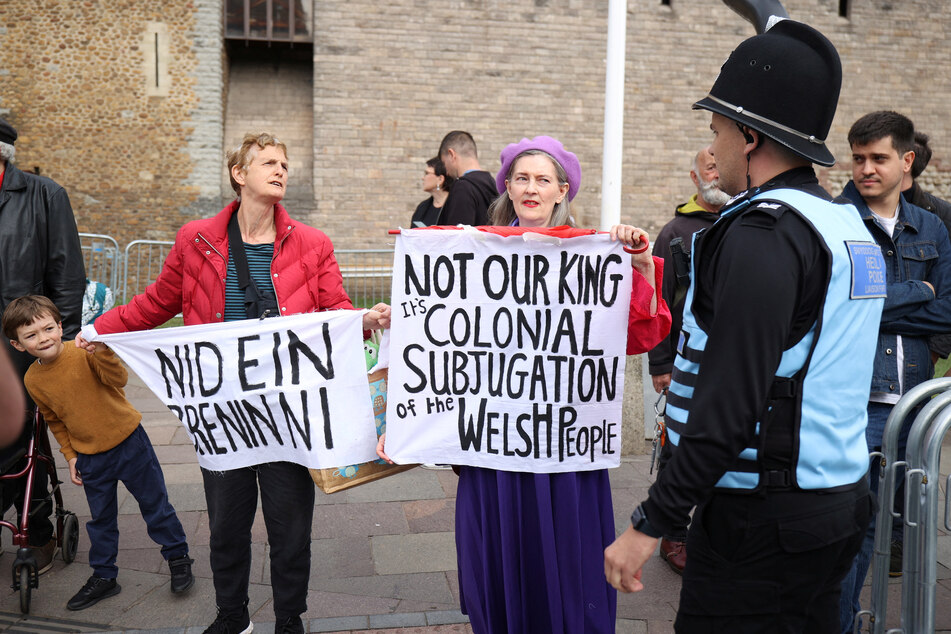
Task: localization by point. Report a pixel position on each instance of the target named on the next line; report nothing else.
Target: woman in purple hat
(530, 546)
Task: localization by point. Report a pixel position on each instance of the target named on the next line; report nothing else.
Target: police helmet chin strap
(749, 139)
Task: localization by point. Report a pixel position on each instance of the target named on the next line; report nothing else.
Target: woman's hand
(379, 449)
(88, 346)
(629, 235)
(377, 318)
(643, 262)
(632, 236)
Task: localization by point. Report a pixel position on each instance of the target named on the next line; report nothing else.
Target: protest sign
(262, 390)
(507, 352)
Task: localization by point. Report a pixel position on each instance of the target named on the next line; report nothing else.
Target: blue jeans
(133, 462)
(287, 499)
(855, 579)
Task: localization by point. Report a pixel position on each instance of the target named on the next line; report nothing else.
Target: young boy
(81, 397)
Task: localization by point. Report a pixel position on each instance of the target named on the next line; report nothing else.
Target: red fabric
(192, 281)
(644, 331)
(561, 231)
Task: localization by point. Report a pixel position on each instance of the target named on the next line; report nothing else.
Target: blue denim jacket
(918, 251)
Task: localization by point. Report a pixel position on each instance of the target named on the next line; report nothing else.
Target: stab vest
(811, 434)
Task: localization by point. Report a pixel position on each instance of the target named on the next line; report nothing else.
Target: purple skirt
(530, 549)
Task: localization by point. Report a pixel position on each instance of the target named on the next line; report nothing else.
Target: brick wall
(276, 96)
(390, 80)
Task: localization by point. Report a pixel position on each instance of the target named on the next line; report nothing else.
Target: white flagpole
(613, 115)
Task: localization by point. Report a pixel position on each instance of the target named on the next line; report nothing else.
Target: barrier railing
(367, 273)
(922, 482)
(141, 265)
(102, 258)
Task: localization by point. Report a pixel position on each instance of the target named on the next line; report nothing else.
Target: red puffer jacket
(192, 281)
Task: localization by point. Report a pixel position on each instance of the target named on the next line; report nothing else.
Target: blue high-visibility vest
(822, 442)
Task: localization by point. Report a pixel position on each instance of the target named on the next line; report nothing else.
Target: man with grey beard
(699, 212)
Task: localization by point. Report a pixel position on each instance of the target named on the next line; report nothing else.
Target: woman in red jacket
(292, 270)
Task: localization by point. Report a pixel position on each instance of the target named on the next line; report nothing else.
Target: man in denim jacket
(918, 275)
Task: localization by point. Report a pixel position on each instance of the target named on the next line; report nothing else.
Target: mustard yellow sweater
(81, 397)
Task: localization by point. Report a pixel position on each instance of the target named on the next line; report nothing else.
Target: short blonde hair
(242, 155)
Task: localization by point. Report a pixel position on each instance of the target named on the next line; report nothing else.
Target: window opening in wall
(268, 20)
(665, 3)
(156, 60)
(843, 8)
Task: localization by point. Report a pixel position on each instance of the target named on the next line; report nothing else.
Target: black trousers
(771, 563)
(287, 500)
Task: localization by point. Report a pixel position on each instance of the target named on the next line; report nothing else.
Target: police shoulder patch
(868, 270)
(763, 215)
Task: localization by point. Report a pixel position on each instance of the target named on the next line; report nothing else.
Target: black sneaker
(292, 625)
(95, 590)
(181, 569)
(895, 562)
(236, 622)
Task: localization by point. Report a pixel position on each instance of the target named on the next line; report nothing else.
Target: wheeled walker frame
(38, 456)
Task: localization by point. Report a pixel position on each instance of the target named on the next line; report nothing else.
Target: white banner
(262, 390)
(507, 352)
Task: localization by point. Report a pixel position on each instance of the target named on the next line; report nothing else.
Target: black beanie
(8, 133)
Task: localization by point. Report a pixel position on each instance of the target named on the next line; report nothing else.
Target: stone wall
(120, 103)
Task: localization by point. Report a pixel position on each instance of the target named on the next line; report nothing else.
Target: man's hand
(74, 475)
(624, 559)
(661, 382)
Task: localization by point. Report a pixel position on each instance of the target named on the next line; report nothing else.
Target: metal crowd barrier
(922, 482)
(102, 258)
(367, 273)
(141, 265)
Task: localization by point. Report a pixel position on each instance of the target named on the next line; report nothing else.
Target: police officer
(767, 405)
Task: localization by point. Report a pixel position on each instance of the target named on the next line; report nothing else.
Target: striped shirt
(259, 264)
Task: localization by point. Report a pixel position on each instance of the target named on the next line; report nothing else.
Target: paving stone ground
(383, 558)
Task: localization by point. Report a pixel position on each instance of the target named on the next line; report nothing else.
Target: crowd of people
(782, 326)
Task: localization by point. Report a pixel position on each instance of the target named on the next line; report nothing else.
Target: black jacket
(39, 248)
(469, 200)
(689, 218)
(939, 344)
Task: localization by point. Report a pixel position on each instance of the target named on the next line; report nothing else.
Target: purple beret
(8, 133)
(567, 160)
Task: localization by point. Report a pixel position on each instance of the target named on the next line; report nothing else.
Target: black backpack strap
(236, 244)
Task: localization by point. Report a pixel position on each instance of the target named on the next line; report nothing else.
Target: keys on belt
(660, 428)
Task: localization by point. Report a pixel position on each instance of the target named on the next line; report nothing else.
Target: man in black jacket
(698, 213)
(474, 189)
(39, 254)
